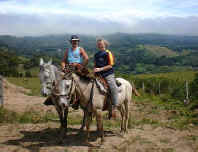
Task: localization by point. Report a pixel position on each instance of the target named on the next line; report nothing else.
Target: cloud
(97, 17)
(169, 25)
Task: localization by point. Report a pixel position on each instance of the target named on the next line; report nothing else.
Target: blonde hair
(106, 43)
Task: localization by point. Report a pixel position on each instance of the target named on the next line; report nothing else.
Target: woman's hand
(98, 69)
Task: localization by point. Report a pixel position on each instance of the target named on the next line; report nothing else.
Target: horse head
(47, 77)
(67, 86)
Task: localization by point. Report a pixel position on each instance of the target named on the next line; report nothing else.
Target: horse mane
(84, 77)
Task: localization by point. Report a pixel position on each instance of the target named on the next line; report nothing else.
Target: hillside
(134, 53)
(159, 51)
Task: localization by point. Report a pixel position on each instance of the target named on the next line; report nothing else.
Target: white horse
(54, 86)
(93, 101)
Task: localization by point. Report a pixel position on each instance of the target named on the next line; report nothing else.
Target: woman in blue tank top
(75, 55)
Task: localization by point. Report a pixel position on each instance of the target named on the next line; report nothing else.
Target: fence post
(187, 93)
(143, 86)
(159, 88)
(186, 101)
(1, 91)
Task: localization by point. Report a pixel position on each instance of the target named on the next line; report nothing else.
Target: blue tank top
(74, 55)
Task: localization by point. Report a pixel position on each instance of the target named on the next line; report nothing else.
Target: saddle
(103, 87)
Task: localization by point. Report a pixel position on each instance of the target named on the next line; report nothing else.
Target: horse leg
(65, 118)
(83, 121)
(100, 125)
(60, 114)
(62, 130)
(88, 121)
(121, 109)
(126, 104)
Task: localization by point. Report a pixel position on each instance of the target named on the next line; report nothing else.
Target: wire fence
(157, 86)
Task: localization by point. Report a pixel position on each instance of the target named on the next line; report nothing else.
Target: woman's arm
(85, 57)
(107, 67)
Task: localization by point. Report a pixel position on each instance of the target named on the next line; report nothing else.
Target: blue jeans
(113, 88)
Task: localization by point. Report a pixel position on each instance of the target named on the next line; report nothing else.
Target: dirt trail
(16, 100)
(44, 137)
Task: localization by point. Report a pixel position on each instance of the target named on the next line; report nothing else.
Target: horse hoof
(122, 133)
(87, 142)
(81, 128)
(102, 141)
(60, 141)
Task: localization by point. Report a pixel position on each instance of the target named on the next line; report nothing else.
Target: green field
(34, 83)
(185, 75)
(29, 83)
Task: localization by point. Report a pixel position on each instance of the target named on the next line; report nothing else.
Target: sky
(98, 17)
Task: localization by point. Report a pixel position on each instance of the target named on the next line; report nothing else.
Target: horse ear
(50, 61)
(41, 61)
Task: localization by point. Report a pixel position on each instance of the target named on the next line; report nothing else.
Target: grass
(29, 83)
(184, 75)
(177, 115)
(7, 116)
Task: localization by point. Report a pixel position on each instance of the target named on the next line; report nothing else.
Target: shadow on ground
(34, 140)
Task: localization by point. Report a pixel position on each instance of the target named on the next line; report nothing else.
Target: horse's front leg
(99, 120)
(60, 115)
(83, 121)
(88, 122)
(66, 109)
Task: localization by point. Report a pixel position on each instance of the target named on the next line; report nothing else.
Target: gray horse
(93, 100)
(54, 86)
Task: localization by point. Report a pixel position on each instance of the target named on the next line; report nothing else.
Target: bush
(28, 74)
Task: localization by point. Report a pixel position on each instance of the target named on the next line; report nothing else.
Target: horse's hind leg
(121, 109)
(126, 104)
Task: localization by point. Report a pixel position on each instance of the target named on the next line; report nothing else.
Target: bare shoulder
(82, 50)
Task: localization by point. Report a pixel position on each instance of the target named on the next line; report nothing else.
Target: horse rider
(76, 57)
(104, 61)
